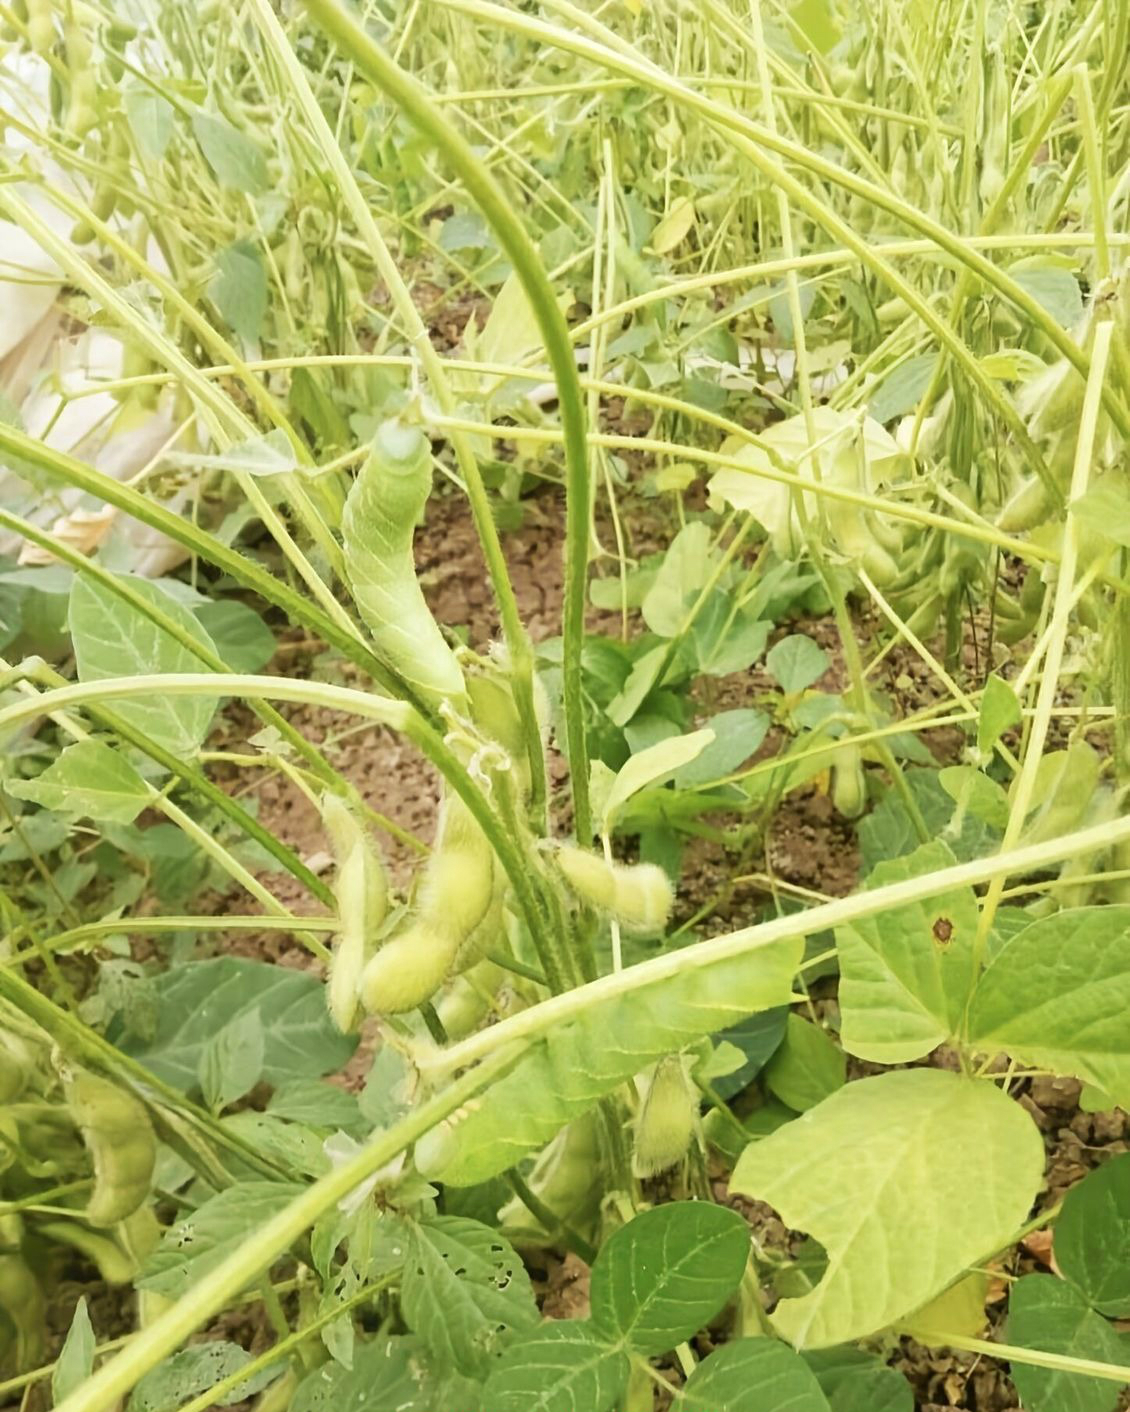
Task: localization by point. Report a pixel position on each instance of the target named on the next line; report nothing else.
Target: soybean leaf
(888, 831)
(1105, 508)
(905, 974)
(1048, 1314)
(200, 1241)
(197, 1000)
(235, 159)
(239, 290)
(559, 1367)
(1055, 289)
(854, 1381)
(860, 1174)
(112, 638)
(650, 766)
(737, 734)
(726, 642)
(752, 1375)
(1000, 711)
(242, 638)
(386, 1373)
(76, 1359)
(1092, 1237)
(194, 1370)
(757, 1038)
(318, 1104)
(231, 1062)
(577, 1063)
(89, 778)
(807, 1067)
(957, 1310)
(681, 577)
(971, 789)
(150, 119)
(1056, 996)
(665, 1274)
(292, 1144)
(796, 662)
(465, 1292)
(902, 388)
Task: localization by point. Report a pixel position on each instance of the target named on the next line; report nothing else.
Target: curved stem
(492, 201)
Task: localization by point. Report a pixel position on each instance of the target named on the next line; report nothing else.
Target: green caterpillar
(361, 890)
(453, 900)
(378, 525)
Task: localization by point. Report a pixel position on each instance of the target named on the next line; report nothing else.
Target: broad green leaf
(752, 1375)
(239, 290)
(973, 790)
(726, 642)
(675, 226)
(1055, 289)
(559, 1367)
(651, 766)
(196, 1001)
(317, 1104)
(113, 639)
(1105, 508)
(579, 1062)
(1065, 783)
(235, 159)
(854, 1381)
(91, 779)
(1050, 1315)
(465, 1292)
(902, 388)
(684, 572)
(200, 1241)
(796, 662)
(231, 1063)
(150, 119)
(194, 1370)
(242, 638)
(861, 1174)
(664, 1275)
(888, 831)
(807, 1067)
(1092, 1237)
(292, 1144)
(76, 1360)
(757, 1038)
(905, 974)
(737, 735)
(1056, 996)
(957, 1310)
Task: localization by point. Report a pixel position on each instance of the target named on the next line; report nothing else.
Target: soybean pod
(378, 525)
(639, 895)
(361, 892)
(117, 1133)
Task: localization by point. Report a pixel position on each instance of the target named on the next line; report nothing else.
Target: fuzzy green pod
(361, 891)
(117, 1133)
(639, 895)
(666, 1120)
(1029, 505)
(112, 1262)
(40, 25)
(849, 788)
(378, 526)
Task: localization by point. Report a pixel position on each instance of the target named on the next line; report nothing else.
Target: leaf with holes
(664, 1275)
(563, 1366)
(905, 1179)
(905, 974)
(465, 1292)
(752, 1375)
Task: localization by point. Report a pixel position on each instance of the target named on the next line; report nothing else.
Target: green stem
(497, 209)
(1034, 1357)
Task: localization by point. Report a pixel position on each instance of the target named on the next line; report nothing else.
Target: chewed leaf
(906, 1180)
(576, 1065)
